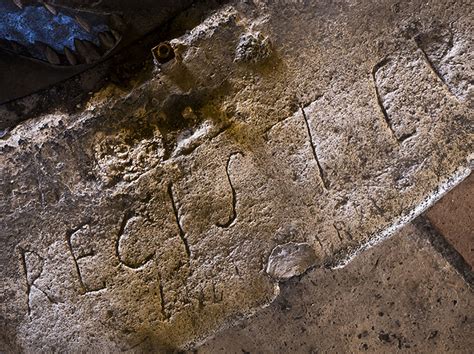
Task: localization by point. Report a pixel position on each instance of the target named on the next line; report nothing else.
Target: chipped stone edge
(449, 183)
(459, 175)
(233, 321)
(284, 279)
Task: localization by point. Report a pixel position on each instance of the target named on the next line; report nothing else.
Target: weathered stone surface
(401, 295)
(146, 220)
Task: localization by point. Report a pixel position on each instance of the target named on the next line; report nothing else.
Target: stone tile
(400, 295)
(453, 216)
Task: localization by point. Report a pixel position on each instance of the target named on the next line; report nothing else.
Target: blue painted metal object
(43, 42)
(58, 36)
(36, 24)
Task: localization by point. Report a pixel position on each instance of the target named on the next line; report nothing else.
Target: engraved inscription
(32, 264)
(449, 58)
(182, 234)
(164, 313)
(209, 294)
(322, 174)
(342, 231)
(233, 215)
(377, 208)
(132, 248)
(407, 109)
(80, 245)
(385, 115)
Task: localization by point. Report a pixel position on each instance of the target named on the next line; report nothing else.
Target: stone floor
(453, 217)
(412, 293)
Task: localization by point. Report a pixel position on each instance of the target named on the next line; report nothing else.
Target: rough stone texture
(147, 219)
(453, 216)
(401, 295)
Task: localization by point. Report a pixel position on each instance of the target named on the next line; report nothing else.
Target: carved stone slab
(146, 221)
